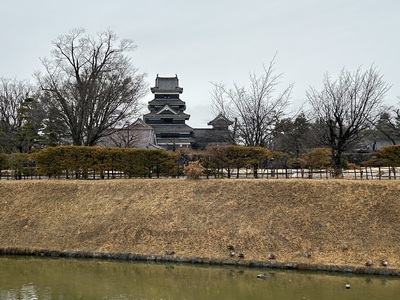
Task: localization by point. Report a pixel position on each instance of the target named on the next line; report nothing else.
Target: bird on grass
(241, 255)
(347, 286)
(369, 263)
(170, 252)
(384, 263)
(262, 276)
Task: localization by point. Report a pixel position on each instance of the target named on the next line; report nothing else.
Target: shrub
(193, 170)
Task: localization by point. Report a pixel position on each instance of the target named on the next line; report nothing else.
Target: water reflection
(46, 278)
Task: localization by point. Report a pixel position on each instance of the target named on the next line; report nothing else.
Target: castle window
(167, 120)
(169, 135)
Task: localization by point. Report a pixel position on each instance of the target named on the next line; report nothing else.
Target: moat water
(31, 278)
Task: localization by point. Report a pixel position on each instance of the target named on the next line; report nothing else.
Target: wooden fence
(364, 173)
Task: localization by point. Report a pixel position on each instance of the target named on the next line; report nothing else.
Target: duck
(262, 276)
(232, 253)
(271, 256)
(384, 263)
(241, 255)
(170, 252)
(369, 263)
(230, 247)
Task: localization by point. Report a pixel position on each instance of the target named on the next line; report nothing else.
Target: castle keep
(165, 125)
(167, 114)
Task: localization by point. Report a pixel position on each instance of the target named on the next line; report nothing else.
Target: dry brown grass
(200, 218)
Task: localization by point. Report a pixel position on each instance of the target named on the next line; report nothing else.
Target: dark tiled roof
(170, 144)
(167, 84)
(158, 128)
(220, 121)
(170, 102)
(155, 116)
(208, 137)
(211, 134)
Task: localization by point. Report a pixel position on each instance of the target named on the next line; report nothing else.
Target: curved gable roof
(166, 109)
(167, 85)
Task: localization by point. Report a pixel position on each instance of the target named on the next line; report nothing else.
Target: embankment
(304, 223)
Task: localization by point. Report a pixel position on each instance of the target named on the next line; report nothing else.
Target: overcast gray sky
(216, 40)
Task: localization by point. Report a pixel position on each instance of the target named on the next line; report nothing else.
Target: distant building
(369, 145)
(165, 125)
(167, 115)
(135, 135)
(218, 135)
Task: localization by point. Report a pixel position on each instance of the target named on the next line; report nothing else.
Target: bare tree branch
(255, 109)
(345, 108)
(92, 84)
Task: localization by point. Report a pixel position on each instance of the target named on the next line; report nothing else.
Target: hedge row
(100, 162)
(96, 162)
(82, 162)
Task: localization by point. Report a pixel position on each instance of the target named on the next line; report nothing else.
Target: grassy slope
(199, 218)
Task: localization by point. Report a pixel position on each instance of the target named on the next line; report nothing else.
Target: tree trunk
(337, 164)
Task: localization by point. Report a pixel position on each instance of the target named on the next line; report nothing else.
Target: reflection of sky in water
(27, 292)
(26, 278)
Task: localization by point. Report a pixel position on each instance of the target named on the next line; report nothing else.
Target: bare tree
(254, 110)
(92, 84)
(345, 108)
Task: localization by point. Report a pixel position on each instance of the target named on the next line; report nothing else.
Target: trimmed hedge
(83, 162)
(99, 162)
